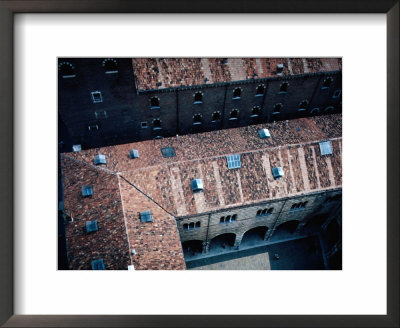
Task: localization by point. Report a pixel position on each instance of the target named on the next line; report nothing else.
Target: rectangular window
(97, 97)
(143, 125)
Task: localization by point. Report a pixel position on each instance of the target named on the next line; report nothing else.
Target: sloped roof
(160, 73)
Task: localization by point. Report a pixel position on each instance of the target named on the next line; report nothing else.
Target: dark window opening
(191, 226)
(185, 226)
(255, 112)
(303, 105)
(260, 90)
(96, 97)
(234, 115)
(197, 119)
(197, 224)
(155, 102)
(314, 111)
(237, 92)
(222, 220)
(216, 117)
(198, 97)
(110, 65)
(284, 87)
(327, 83)
(67, 70)
(157, 124)
(143, 125)
(277, 108)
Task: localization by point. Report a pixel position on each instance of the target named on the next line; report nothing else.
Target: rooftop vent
(91, 226)
(87, 191)
(233, 161)
(98, 265)
(134, 153)
(197, 185)
(146, 217)
(100, 159)
(168, 152)
(131, 267)
(325, 147)
(76, 148)
(277, 172)
(264, 133)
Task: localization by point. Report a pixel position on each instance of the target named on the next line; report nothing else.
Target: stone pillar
(206, 247)
(238, 240)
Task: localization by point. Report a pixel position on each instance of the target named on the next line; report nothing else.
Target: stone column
(237, 242)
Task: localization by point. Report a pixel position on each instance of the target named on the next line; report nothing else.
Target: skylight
(264, 133)
(233, 161)
(197, 185)
(134, 153)
(98, 265)
(87, 191)
(146, 216)
(168, 151)
(91, 226)
(277, 172)
(325, 147)
(100, 159)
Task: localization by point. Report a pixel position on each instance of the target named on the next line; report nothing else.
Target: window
(66, 70)
(260, 90)
(98, 265)
(337, 94)
(233, 161)
(328, 109)
(303, 106)
(155, 102)
(284, 87)
(197, 119)
(255, 112)
(110, 65)
(298, 206)
(234, 115)
(327, 83)
(96, 97)
(100, 159)
(157, 124)
(146, 217)
(314, 111)
(228, 219)
(100, 114)
(191, 226)
(325, 148)
(91, 226)
(143, 125)
(265, 212)
(277, 109)
(236, 93)
(168, 152)
(216, 116)
(198, 98)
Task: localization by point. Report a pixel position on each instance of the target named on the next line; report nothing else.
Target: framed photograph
(257, 50)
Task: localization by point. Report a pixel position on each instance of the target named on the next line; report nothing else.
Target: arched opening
(192, 248)
(216, 116)
(110, 65)
(284, 87)
(197, 119)
(260, 90)
(333, 233)
(285, 230)
(254, 236)
(255, 112)
(66, 69)
(198, 97)
(222, 242)
(155, 102)
(234, 115)
(157, 124)
(314, 224)
(314, 111)
(327, 83)
(237, 93)
(328, 110)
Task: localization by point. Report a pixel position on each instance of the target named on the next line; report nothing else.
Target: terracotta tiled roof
(294, 145)
(160, 73)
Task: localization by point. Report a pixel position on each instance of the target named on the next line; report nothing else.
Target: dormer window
(157, 124)
(154, 102)
(197, 119)
(327, 83)
(198, 98)
(234, 115)
(237, 93)
(284, 87)
(97, 97)
(260, 90)
(110, 66)
(216, 116)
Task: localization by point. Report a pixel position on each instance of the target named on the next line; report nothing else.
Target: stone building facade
(107, 101)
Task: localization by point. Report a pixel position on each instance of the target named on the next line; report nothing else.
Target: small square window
(98, 265)
(168, 152)
(87, 191)
(233, 161)
(91, 226)
(143, 125)
(146, 217)
(97, 97)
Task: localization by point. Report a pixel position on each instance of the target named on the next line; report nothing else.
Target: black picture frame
(10, 7)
